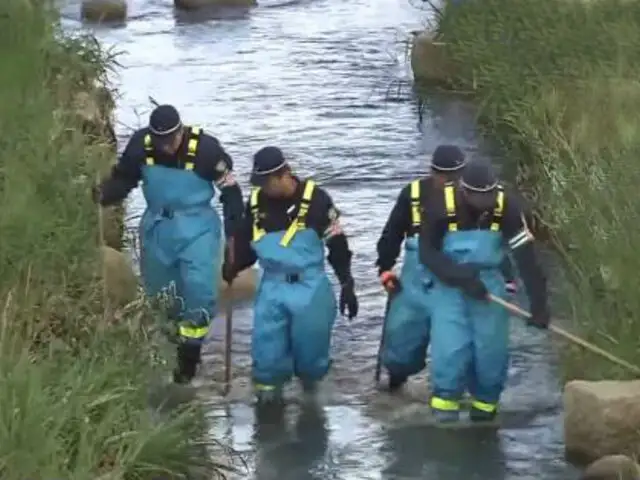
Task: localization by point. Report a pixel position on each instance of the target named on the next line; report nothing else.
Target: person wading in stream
(287, 223)
(462, 241)
(180, 231)
(407, 325)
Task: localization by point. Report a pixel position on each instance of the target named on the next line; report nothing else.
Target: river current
(328, 82)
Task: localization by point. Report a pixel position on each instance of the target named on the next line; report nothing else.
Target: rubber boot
(188, 358)
(309, 387)
(396, 382)
(270, 425)
(476, 415)
(445, 416)
(268, 395)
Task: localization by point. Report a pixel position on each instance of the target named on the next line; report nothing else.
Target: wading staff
(105, 295)
(228, 337)
(568, 336)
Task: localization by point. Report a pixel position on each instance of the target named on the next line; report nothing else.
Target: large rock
(429, 62)
(94, 111)
(113, 226)
(120, 279)
(198, 4)
(104, 10)
(244, 287)
(613, 467)
(601, 418)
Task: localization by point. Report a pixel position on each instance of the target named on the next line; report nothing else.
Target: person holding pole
(407, 321)
(180, 231)
(465, 235)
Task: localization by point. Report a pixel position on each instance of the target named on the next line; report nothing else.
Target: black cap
(447, 158)
(479, 176)
(266, 161)
(164, 122)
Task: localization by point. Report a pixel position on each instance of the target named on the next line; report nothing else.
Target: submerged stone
(198, 4)
(428, 60)
(104, 10)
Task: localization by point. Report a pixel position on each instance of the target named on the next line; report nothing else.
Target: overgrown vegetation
(558, 84)
(74, 395)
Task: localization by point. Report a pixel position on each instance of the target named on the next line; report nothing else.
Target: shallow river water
(319, 78)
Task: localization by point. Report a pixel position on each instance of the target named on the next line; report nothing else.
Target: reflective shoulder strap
(148, 148)
(450, 206)
(258, 232)
(498, 211)
(192, 147)
(415, 203)
(300, 221)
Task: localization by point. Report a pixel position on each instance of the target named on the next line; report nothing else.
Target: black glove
(475, 288)
(540, 319)
(348, 300)
(229, 273)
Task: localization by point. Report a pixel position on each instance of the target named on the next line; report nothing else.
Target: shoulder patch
(221, 166)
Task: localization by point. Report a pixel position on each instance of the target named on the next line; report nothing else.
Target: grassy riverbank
(558, 84)
(73, 402)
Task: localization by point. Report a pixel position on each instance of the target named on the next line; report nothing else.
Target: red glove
(390, 282)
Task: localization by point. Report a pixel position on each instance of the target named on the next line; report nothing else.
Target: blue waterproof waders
(180, 236)
(295, 306)
(470, 338)
(408, 319)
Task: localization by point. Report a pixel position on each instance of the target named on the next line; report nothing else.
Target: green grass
(558, 85)
(74, 375)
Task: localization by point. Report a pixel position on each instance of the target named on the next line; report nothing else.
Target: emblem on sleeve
(221, 167)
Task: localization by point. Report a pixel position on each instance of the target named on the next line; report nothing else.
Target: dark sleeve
(245, 256)
(126, 174)
(394, 232)
(521, 242)
(326, 221)
(216, 166)
(432, 232)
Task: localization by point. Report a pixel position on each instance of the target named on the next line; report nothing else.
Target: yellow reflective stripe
(189, 331)
(484, 407)
(450, 206)
(149, 149)
(258, 232)
(415, 203)
(264, 388)
(192, 147)
(444, 405)
(497, 213)
(300, 221)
